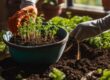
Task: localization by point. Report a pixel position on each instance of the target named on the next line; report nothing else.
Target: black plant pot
(43, 54)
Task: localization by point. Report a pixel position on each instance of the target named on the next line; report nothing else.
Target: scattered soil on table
(91, 59)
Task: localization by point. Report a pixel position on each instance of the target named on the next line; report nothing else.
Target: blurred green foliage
(2, 44)
(89, 2)
(101, 41)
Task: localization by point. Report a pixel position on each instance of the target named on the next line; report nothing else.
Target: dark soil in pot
(92, 59)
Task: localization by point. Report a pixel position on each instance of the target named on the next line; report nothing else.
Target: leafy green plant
(56, 74)
(99, 71)
(69, 23)
(2, 44)
(101, 41)
(105, 74)
(35, 32)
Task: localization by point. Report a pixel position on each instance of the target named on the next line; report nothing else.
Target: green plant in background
(2, 44)
(95, 41)
(69, 23)
(105, 74)
(99, 71)
(56, 74)
(101, 41)
(62, 22)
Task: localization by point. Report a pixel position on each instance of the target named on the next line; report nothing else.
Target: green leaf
(106, 75)
(56, 74)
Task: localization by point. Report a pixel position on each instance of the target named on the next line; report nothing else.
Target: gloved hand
(90, 28)
(17, 19)
(27, 7)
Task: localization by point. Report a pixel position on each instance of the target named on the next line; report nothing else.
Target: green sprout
(105, 75)
(99, 70)
(35, 32)
(56, 74)
(100, 41)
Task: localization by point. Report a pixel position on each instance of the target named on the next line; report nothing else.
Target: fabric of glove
(25, 3)
(17, 19)
(91, 28)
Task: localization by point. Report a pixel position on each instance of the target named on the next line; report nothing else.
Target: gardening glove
(25, 3)
(27, 7)
(91, 28)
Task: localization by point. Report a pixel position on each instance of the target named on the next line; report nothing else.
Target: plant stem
(78, 51)
(78, 47)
